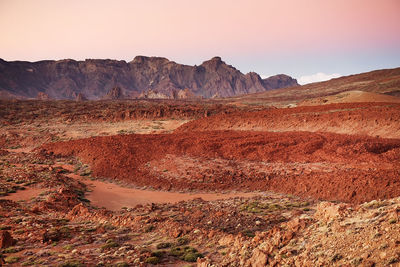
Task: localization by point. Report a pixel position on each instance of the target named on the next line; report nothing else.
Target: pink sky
(251, 35)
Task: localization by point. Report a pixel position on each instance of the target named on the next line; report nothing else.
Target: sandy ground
(27, 194)
(115, 197)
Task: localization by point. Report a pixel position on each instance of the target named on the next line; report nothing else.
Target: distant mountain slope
(351, 97)
(94, 78)
(385, 81)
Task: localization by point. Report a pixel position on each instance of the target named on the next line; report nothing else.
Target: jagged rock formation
(65, 79)
(114, 93)
(80, 97)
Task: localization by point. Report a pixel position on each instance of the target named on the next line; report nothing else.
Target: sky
(310, 40)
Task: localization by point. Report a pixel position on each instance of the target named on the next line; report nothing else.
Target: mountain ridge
(94, 78)
(382, 81)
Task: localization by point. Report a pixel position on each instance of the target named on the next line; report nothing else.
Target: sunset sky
(307, 39)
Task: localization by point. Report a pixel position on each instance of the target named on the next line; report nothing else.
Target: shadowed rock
(65, 79)
(114, 93)
(6, 239)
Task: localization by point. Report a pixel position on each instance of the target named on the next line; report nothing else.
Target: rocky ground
(372, 119)
(30, 123)
(59, 226)
(319, 165)
(304, 211)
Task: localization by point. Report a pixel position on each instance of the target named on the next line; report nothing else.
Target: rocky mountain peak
(144, 59)
(213, 63)
(279, 81)
(65, 79)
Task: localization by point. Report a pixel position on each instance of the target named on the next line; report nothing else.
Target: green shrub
(11, 250)
(191, 256)
(68, 247)
(109, 244)
(153, 260)
(163, 245)
(182, 241)
(11, 259)
(19, 231)
(149, 228)
(177, 251)
(186, 253)
(158, 253)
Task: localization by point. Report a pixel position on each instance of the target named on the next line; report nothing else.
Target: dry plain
(200, 183)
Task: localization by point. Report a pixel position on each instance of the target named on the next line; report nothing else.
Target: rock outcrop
(6, 239)
(279, 81)
(114, 93)
(173, 94)
(152, 94)
(66, 79)
(81, 97)
(42, 96)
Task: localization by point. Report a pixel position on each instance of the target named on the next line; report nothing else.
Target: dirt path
(114, 197)
(27, 149)
(26, 194)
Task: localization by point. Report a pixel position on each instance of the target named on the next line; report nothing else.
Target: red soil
(319, 165)
(115, 197)
(373, 119)
(24, 195)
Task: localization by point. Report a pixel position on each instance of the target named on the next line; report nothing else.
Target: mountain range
(143, 77)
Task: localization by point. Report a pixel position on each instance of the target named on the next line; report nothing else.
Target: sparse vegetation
(60, 227)
(163, 245)
(149, 228)
(109, 244)
(153, 260)
(11, 259)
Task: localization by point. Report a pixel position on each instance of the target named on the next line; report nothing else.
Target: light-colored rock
(258, 258)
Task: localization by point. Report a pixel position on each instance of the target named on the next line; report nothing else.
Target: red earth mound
(373, 119)
(319, 165)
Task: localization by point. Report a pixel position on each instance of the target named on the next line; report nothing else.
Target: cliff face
(94, 78)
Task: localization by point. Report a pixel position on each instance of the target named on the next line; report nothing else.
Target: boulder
(6, 239)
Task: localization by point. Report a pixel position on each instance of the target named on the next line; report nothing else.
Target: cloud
(318, 77)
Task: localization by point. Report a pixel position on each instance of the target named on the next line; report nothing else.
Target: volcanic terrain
(312, 179)
(143, 77)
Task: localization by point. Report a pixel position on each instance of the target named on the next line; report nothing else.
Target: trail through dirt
(26, 194)
(114, 197)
